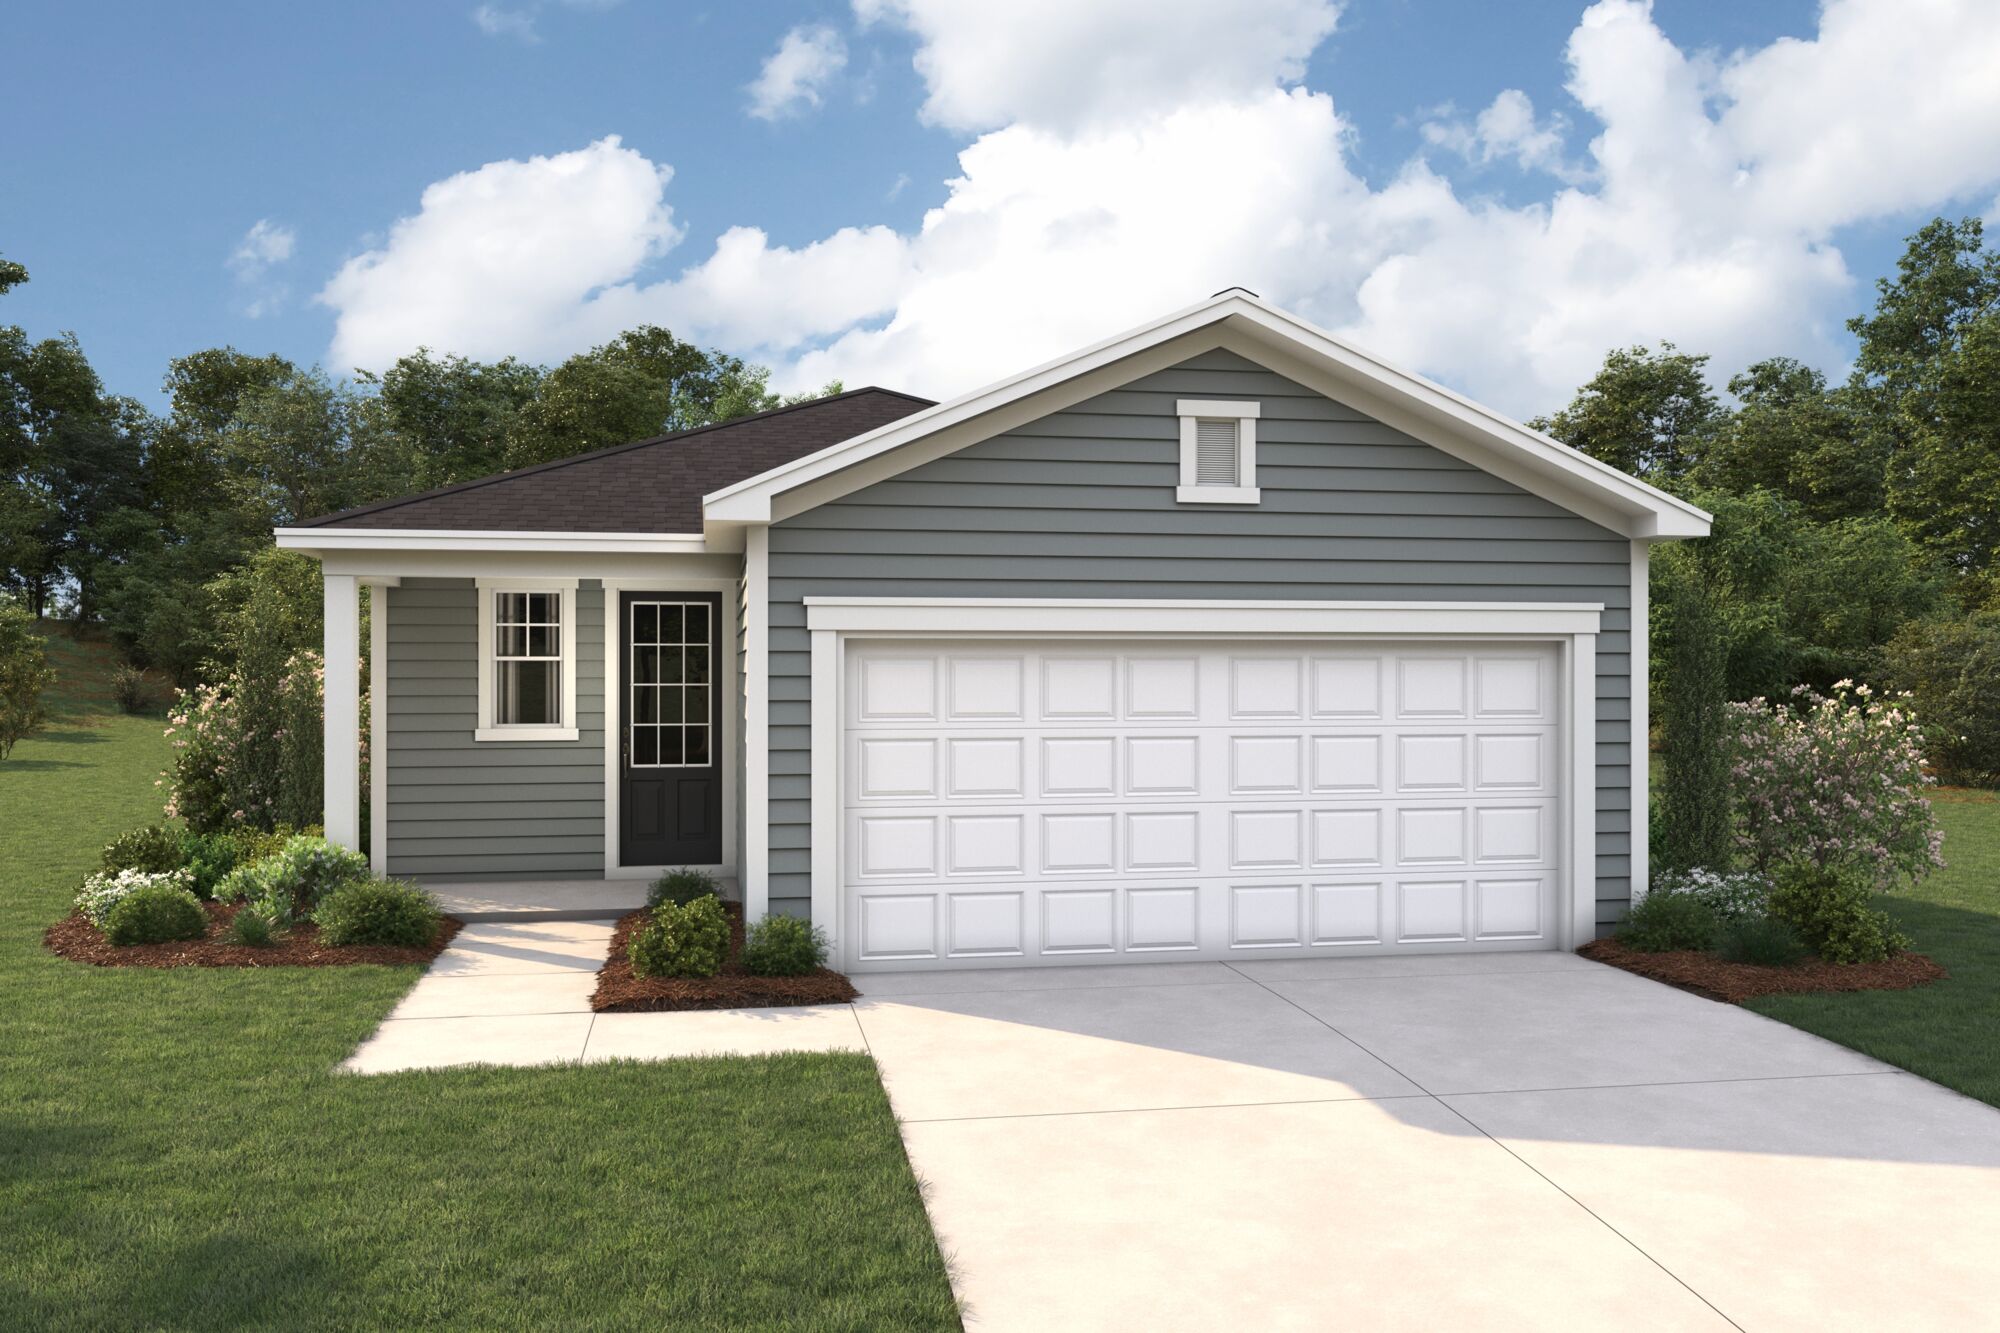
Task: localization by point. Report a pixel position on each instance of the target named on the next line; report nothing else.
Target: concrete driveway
(1508, 1141)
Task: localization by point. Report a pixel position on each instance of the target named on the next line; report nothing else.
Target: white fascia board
(750, 500)
(1111, 618)
(317, 540)
(1545, 467)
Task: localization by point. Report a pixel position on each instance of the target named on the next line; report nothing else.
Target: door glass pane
(697, 745)
(697, 624)
(670, 624)
(697, 704)
(671, 669)
(645, 623)
(670, 746)
(646, 746)
(670, 665)
(670, 703)
(697, 665)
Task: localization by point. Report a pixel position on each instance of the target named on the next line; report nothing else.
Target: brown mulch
(1732, 983)
(618, 991)
(75, 938)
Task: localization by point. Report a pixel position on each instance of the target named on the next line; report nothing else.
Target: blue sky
(149, 139)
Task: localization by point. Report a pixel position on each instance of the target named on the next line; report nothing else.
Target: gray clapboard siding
(461, 809)
(1081, 504)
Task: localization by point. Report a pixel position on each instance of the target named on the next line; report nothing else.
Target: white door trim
(727, 679)
(1572, 626)
(1110, 618)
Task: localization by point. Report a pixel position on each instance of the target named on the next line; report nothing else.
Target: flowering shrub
(247, 752)
(102, 892)
(1732, 896)
(1835, 782)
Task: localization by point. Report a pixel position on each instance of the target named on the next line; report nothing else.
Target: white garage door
(1007, 804)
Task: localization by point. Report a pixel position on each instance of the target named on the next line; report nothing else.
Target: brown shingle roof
(651, 485)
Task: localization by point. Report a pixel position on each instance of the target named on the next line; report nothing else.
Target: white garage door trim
(1571, 626)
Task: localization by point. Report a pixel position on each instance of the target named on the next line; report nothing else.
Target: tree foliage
(1647, 413)
(24, 674)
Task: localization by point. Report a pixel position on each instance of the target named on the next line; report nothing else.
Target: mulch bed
(1732, 983)
(618, 991)
(75, 938)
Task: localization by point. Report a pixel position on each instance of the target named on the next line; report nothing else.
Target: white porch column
(378, 723)
(342, 694)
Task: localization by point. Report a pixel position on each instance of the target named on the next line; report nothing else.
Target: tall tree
(1647, 413)
(446, 419)
(1793, 436)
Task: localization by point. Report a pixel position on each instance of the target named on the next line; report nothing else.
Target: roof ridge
(397, 502)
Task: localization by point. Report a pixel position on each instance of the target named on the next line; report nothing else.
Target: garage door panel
(1076, 804)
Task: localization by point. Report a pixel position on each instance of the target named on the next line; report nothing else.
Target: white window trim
(1572, 626)
(1244, 414)
(485, 729)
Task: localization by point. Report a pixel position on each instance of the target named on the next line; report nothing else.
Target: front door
(671, 747)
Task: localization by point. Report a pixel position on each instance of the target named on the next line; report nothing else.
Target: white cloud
(1703, 208)
(518, 24)
(1507, 129)
(1066, 63)
(797, 73)
(265, 246)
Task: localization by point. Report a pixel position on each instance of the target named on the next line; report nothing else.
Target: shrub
(291, 881)
(209, 858)
(247, 751)
(1694, 801)
(680, 887)
(784, 946)
(155, 913)
(1951, 670)
(1665, 920)
(253, 927)
(1732, 895)
(1835, 781)
(155, 848)
(1759, 939)
(378, 911)
(1830, 908)
(102, 892)
(24, 674)
(129, 689)
(681, 941)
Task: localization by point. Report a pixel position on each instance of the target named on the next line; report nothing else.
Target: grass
(175, 1151)
(1946, 1031)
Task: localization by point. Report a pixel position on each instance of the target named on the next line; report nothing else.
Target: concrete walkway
(1520, 1141)
(518, 993)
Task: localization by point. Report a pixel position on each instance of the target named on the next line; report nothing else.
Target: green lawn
(175, 1151)
(1948, 1031)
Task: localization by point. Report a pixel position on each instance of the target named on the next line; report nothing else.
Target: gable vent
(1215, 453)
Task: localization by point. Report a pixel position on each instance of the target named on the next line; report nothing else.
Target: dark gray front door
(672, 742)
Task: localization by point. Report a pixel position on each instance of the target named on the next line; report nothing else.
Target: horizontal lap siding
(461, 809)
(1081, 504)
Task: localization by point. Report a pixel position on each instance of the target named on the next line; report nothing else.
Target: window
(671, 679)
(1218, 452)
(527, 660)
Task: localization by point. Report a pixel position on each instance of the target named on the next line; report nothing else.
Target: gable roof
(1236, 320)
(648, 486)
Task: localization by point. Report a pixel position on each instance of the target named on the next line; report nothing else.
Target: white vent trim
(1218, 466)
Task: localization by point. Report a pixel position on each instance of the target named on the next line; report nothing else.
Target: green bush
(1834, 915)
(681, 941)
(1664, 920)
(253, 927)
(1762, 940)
(784, 946)
(153, 914)
(209, 857)
(680, 887)
(1694, 825)
(129, 689)
(153, 849)
(1950, 669)
(24, 673)
(378, 911)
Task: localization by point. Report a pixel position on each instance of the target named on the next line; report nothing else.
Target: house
(1218, 638)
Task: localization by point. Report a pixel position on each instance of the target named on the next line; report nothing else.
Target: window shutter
(1215, 453)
